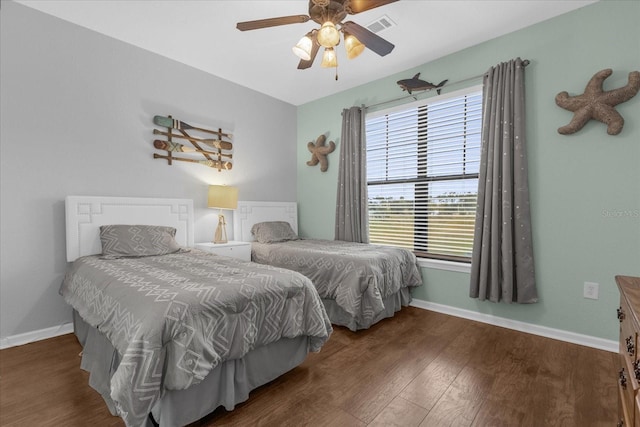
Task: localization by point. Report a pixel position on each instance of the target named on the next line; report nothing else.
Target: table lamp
(222, 197)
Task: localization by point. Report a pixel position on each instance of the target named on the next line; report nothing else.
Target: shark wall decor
(416, 84)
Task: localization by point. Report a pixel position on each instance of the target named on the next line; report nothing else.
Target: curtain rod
(524, 64)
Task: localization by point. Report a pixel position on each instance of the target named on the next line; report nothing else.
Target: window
(422, 174)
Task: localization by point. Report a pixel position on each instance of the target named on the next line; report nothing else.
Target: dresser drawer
(627, 394)
(628, 375)
(628, 334)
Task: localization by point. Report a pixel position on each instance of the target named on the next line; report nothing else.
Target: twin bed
(168, 338)
(170, 333)
(359, 284)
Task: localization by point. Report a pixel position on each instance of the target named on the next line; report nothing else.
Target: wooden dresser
(629, 368)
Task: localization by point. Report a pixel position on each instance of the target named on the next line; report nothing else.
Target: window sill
(439, 264)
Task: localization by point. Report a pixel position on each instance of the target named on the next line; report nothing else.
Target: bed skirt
(392, 304)
(226, 385)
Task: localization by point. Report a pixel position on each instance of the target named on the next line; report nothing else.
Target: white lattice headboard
(85, 215)
(249, 213)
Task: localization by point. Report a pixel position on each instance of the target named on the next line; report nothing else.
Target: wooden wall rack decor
(213, 153)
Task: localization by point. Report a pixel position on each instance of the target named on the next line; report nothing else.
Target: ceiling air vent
(381, 24)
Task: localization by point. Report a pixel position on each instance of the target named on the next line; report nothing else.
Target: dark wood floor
(420, 368)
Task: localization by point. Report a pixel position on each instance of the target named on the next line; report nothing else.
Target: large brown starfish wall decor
(597, 104)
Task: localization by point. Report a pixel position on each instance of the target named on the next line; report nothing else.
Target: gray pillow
(121, 240)
(273, 231)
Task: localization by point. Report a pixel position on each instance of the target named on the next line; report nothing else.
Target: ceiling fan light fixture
(328, 35)
(352, 45)
(330, 16)
(329, 58)
(303, 48)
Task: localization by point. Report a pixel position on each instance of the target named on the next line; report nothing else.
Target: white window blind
(422, 174)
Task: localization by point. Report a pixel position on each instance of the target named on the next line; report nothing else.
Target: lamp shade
(303, 48)
(352, 45)
(223, 197)
(328, 35)
(329, 58)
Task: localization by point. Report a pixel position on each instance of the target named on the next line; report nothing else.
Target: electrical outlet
(591, 290)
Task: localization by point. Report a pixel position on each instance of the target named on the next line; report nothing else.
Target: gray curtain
(351, 205)
(502, 262)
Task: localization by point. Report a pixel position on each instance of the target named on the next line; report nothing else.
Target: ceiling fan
(329, 14)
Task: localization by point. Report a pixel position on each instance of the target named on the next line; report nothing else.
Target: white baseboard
(42, 334)
(558, 334)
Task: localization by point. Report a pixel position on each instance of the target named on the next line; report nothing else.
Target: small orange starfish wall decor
(597, 104)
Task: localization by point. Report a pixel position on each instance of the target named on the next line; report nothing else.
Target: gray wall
(76, 119)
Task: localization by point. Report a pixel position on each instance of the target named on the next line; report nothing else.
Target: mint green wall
(585, 188)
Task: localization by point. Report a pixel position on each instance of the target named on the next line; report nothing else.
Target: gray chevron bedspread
(174, 317)
(358, 276)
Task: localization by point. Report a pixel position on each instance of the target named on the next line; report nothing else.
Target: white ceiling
(202, 34)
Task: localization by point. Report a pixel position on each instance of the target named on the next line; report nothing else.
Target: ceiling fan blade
(303, 65)
(369, 39)
(357, 6)
(272, 22)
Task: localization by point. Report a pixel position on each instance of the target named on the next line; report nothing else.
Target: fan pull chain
(336, 72)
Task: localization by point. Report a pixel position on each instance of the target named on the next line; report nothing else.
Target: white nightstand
(240, 250)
